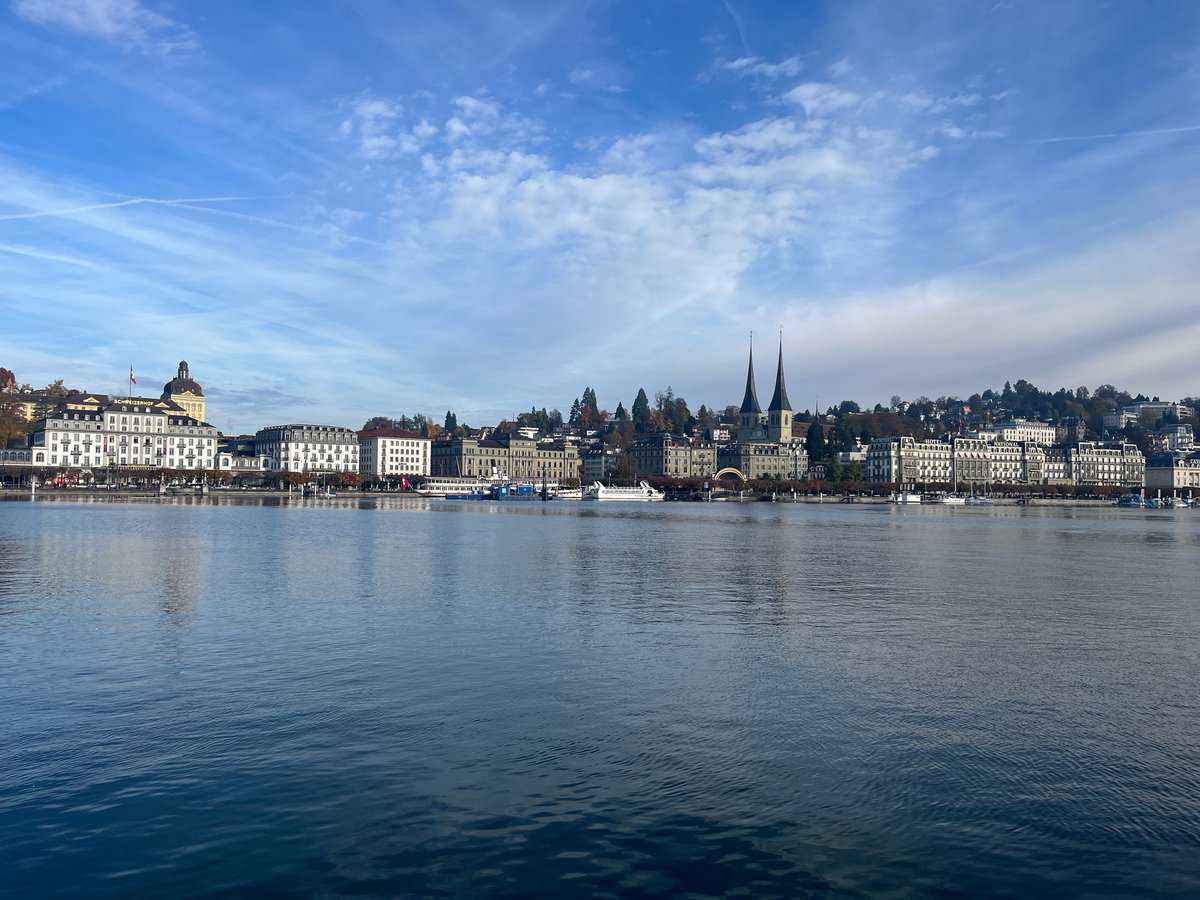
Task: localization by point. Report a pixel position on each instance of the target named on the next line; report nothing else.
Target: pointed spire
(750, 401)
(779, 401)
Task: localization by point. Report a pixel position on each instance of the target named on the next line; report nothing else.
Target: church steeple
(750, 400)
(779, 400)
(750, 415)
(779, 413)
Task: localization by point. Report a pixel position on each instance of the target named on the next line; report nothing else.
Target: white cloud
(581, 75)
(754, 66)
(374, 122)
(456, 129)
(114, 20)
(476, 108)
(821, 98)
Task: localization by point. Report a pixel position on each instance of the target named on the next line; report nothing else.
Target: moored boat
(641, 493)
(454, 488)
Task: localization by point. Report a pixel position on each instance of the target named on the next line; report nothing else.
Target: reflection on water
(406, 696)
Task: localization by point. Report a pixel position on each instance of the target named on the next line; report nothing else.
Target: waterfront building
(190, 444)
(765, 446)
(507, 456)
(308, 448)
(1116, 463)
(74, 439)
(905, 460)
(765, 460)
(186, 393)
(963, 461)
(131, 432)
(1021, 462)
(393, 451)
(1174, 471)
(1096, 463)
(599, 462)
(673, 456)
(239, 454)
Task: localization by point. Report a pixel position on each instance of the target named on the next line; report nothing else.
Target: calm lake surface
(406, 697)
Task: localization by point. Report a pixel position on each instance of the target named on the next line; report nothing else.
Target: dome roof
(182, 383)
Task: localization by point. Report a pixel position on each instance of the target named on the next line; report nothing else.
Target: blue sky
(336, 210)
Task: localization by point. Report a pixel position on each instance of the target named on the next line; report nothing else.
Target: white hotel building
(392, 451)
(134, 432)
(308, 448)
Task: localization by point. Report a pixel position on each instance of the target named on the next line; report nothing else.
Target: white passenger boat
(568, 494)
(905, 497)
(642, 492)
(452, 487)
(953, 500)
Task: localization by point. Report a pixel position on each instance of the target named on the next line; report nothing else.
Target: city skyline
(485, 209)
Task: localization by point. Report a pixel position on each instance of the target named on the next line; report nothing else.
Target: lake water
(408, 697)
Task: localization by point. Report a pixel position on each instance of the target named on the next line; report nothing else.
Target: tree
(451, 423)
(641, 411)
(621, 415)
(8, 381)
(576, 419)
(56, 388)
(814, 442)
(588, 402)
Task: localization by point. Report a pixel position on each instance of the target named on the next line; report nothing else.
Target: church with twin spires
(765, 446)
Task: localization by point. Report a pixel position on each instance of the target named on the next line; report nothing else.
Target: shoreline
(829, 499)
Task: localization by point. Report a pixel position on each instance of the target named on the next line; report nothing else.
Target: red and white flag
(132, 380)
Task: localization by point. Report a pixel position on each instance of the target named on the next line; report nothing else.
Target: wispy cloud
(1112, 135)
(125, 21)
(132, 201)
(753, 66)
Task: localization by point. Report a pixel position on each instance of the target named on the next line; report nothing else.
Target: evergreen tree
(451, 423)
(621, 415)
(576, 411)
(641, 411)
(814, 442)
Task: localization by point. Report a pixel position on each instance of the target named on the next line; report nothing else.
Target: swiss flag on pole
(132, 380)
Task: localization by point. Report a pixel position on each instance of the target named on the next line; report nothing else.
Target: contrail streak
(1117, 134)
(135, 201)
(737, 23)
